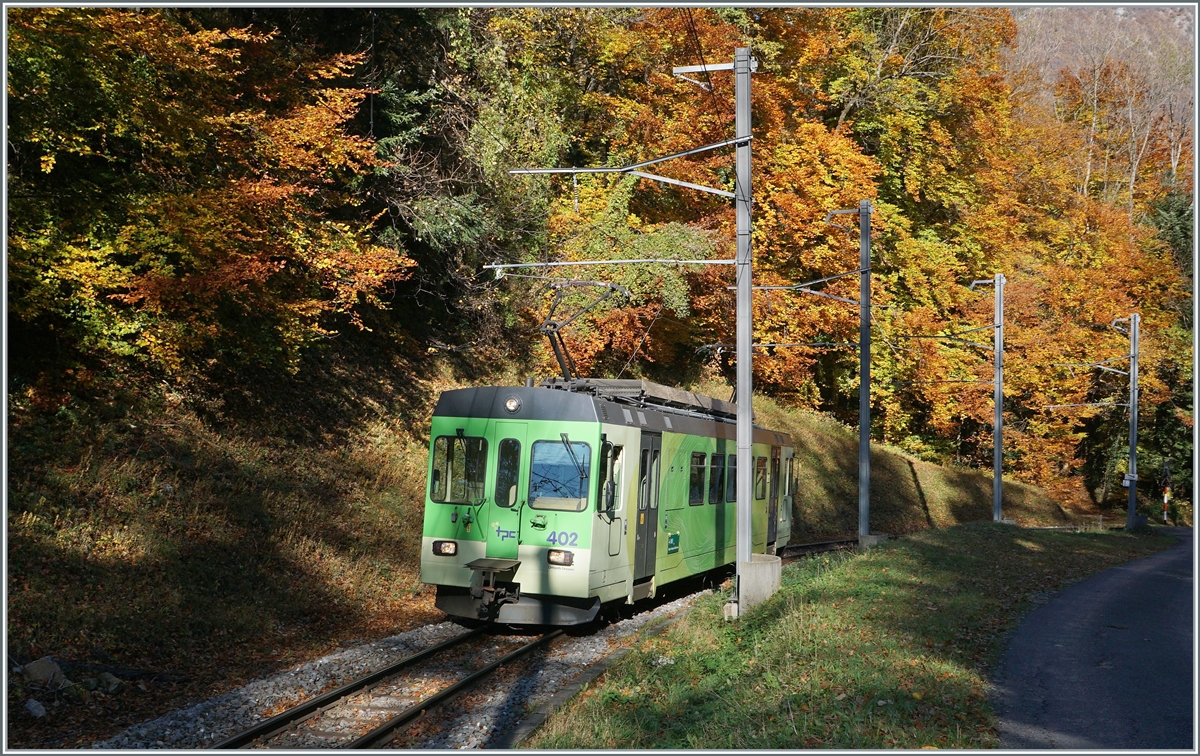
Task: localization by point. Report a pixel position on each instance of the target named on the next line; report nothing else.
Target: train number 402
(562, 538)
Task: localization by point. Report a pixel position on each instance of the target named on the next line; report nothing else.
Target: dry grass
(907, 494)
(186, 534)
(148, 541)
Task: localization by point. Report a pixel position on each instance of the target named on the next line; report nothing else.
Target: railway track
(795, 550)
(370, 711)
(356, 708)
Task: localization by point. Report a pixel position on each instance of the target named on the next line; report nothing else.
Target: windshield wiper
(567, 443)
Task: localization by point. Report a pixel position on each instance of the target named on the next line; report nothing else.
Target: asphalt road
(1108, 663)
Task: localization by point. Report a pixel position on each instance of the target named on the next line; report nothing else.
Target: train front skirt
(527, 609)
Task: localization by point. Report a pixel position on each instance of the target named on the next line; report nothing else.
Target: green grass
(887, 649)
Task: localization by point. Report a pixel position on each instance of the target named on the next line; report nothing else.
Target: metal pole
(1131, 479)
(998, 401)
(864, 368)
(742, 63)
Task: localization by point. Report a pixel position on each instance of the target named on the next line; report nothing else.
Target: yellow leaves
(341, 64)
(220, 181)
(310, 140)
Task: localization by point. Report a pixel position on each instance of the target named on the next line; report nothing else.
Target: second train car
(545, 502)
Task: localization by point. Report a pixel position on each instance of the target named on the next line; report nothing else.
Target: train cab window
(696, 481)
(612, 461)
(789, 475)
(459, 469)
(716, 478)
(508, 471)
(558, 475)
(731, 479)
(760, 477)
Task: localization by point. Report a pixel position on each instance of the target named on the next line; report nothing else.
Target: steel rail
(384, 733)
(797, 549)
(283, 721)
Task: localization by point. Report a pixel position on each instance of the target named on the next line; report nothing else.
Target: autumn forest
(194, 194)
(246, 249)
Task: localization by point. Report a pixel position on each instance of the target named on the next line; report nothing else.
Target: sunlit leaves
(187, 188)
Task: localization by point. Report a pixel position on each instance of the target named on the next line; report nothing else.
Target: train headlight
(512, 404)
(445, 548)
(564, 558)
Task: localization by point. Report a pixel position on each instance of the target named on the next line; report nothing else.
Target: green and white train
(545, 502)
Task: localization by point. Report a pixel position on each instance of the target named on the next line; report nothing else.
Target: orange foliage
(229, 212)
(966, 182)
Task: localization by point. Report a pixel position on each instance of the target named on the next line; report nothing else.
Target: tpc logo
(504, 535)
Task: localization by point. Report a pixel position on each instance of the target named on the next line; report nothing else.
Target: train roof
(647, 394)
(604, 400)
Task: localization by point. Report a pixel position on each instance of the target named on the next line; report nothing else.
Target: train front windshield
(558, 475)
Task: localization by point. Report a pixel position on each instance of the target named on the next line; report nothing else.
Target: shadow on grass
(224, 559)
(920, 494)
(172, 530)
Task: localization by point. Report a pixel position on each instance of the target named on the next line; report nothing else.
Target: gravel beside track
(471, 721)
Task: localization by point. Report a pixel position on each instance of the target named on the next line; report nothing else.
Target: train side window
(760, 477)
(459, 469)
(789, 476)
(508, 471)
(731, 479)
(619, 475)
(611, 462)
(558, 475)
(716, 478)
(654, 481)
(696, 481)
(643, 488)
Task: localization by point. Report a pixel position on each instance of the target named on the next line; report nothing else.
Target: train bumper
(527, 610)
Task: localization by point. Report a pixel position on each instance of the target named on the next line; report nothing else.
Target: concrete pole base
(1136, 523)
(867, 541)
(758, 580)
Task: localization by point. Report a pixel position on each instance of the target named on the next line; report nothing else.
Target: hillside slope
(907, 494)
(222, 539)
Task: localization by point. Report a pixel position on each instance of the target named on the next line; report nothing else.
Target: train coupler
(495, 587)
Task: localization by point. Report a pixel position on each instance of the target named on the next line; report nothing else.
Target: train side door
(503, 523)
(773, 500)
(615, 520)
(646, 525)
(788, 490)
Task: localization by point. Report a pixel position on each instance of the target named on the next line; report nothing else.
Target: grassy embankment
(223, 536)
(907, 494)
(216, 535)
(888, 649)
